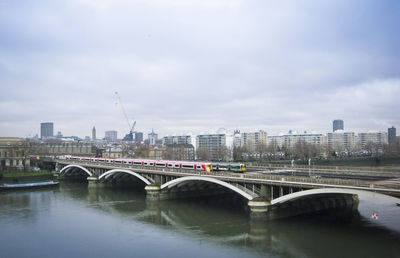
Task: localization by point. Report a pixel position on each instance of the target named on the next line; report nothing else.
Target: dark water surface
(74, 221)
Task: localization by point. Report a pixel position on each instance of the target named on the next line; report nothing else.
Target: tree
(142, 151)
(168, 153)
(202, 154)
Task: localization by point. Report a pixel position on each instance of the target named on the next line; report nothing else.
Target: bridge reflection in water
(266, 197)
(313, 236)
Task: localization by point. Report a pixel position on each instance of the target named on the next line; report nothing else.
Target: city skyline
(228, 132)
(197, 66)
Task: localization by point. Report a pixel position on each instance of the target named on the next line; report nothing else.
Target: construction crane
(129, 136)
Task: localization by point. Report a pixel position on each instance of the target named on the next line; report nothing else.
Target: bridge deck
(391, 187)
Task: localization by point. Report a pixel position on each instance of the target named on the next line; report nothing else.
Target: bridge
(264, 194)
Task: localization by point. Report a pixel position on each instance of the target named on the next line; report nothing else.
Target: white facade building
(254, 139)
(364, 139)
(290, 140)
(213, 144)
(341, 141)
(170, 140)
(111, 136)
(153, 137)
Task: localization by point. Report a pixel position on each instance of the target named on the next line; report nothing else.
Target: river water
(74, 221)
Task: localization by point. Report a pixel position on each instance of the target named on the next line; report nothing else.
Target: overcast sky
(195, 66)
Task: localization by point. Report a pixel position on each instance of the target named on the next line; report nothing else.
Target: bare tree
(202, 154)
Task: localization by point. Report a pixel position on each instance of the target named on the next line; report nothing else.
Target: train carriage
(184, 165)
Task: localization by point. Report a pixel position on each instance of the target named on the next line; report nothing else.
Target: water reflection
(305, 236)
(204, 227)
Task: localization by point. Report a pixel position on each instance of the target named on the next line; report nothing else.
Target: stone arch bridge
(266, 195)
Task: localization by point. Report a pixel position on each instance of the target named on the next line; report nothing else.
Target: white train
(189, 165)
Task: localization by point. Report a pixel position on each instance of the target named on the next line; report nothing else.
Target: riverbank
(25, 176)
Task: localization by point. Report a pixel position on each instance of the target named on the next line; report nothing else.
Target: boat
(28, 185)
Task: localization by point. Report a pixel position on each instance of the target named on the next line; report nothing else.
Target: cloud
(198, 65)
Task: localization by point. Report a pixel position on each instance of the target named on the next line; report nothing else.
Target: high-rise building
(138, 136)
(212, 144)
(252, 140)
(111, 136)
(290, 140)
(392, 135)
(236, 138)
(364, 139)
(46, 130)
(153, 137)
(94, 133)
(341, 141)
(338, 124)
(170, 140)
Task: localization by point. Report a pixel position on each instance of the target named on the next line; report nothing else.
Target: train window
(137, 163)
(160, 164)
(151, 163)
(177, 166)
(118, 162)
(170, 165)
(188, 166)
(198, 167)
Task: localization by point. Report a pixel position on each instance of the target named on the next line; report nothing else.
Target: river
(75, 221)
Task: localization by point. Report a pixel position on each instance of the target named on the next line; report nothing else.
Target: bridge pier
(259, 208)
(153, 193)
(94, 182)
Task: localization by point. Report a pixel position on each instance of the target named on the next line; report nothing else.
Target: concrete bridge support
(259, 206)
(94, 182)
(153, 193)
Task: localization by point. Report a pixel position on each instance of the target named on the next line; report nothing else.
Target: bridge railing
(329, 168)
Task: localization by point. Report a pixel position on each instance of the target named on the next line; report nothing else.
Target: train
(234, 167)
(187, 165)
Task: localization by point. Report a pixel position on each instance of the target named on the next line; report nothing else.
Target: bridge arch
(114, 171)
(320, 191)
(64, 169)
(175, 182)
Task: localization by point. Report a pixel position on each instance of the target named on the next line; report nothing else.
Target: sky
(198, 66)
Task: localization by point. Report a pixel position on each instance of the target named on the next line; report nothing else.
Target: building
(392, 135)
(179, 152)
(46, 130)
(153, 137)
(14, 154)
(170, 140)
(253, 140)
(338, 124)
(138, 137)
(111, 136)
(59, 135)
(113, 153)
(236, 138)
(341, 141)
(94, 133)
(289, 140)
(63, 148)
(156, 153)
(211, 146)
(364, 139)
